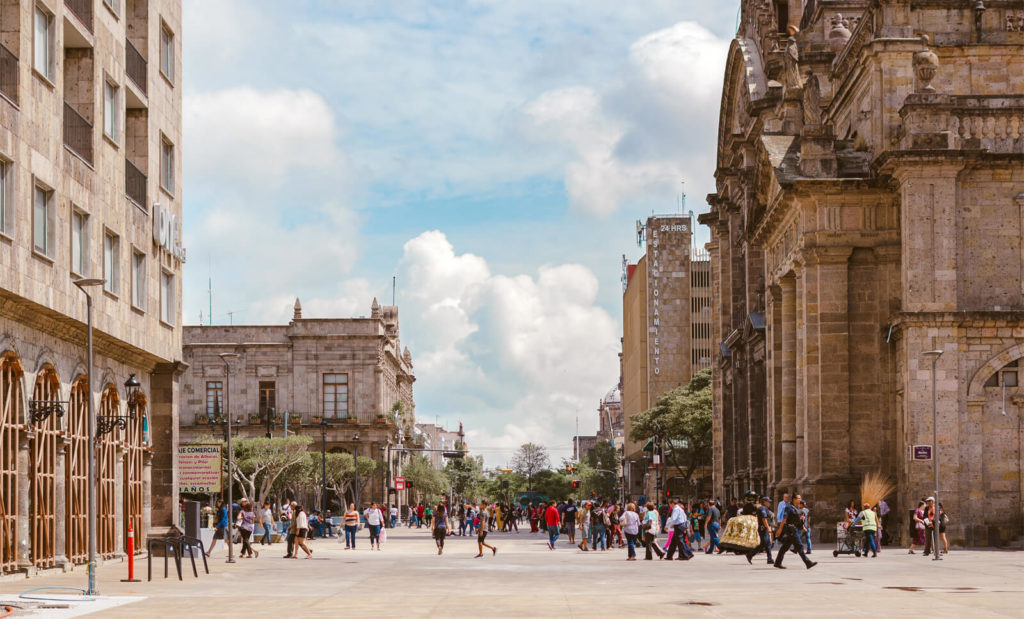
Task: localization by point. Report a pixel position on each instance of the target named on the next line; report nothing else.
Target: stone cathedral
(869, 209)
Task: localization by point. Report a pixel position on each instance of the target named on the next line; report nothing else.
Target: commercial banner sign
(199, 469)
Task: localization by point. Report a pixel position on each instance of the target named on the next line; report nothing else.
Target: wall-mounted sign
(922, 452)
(167, 231)
(199, 469)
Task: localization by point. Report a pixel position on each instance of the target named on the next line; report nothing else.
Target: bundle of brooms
(875, 487)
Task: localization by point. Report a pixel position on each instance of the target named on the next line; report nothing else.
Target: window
(167, 305)
(111, 262)
(1005, 377)
(110, 109)
(268, 397)
(167, 165)
(335, 396)
(167, 52)
(214, 397)
(79, 242)
(42, 220)
(138, 279)
(112, 5)
(6, 187)
(43, 43)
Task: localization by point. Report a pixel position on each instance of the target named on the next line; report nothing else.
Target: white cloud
(629, 142)
(514, 357)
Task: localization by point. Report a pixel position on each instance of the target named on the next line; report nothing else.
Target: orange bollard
(131, 555)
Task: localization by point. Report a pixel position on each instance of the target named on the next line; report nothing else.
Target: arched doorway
(11, 415)
(77, 471)
(106, 456)
(44, 470)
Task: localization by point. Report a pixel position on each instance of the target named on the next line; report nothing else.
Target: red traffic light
(575, 483)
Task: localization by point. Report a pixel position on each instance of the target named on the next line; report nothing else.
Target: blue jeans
(805, 537)
(870, 543)
(394, 521)
(713, 529)
(631, 543)
(552, 534)
(350, 535)
(598, 534)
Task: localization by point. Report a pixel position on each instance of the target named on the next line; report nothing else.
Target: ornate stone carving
(791, 74)
(926, 65)
(812, 100)
(1014, 22)
(840, 33)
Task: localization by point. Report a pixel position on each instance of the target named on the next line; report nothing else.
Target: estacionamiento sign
(199, 469)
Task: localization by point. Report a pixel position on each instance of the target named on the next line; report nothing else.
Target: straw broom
(875, 487)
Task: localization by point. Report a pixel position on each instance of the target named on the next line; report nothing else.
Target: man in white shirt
(678, 523)
(394, 516)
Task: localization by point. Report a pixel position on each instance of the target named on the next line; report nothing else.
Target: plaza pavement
(526, 579)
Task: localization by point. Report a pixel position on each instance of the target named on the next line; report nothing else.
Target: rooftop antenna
(394, 284)
(200, 318)
(209, 289)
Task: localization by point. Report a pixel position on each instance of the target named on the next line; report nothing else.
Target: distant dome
(613, 397)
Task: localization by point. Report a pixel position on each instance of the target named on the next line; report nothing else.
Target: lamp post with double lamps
(82, 284)
(224, 356)
(934, 356)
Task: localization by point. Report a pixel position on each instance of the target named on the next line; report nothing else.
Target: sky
(489, 157)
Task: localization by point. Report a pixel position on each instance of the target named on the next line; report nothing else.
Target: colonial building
(611, 425)
(868, 211)
(658, 337)
(350, 373)
(90, 188)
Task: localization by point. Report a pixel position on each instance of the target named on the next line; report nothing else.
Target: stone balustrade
(952, 122)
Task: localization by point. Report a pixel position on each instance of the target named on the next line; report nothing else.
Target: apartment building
(90, 188)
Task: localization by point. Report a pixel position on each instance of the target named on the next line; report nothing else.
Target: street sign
(922, 452)
(399, 483)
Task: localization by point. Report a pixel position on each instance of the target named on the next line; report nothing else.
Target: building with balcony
(870, 186)
(350, 373)
(89, 188)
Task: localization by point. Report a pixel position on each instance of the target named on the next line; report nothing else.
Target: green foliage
(493, 490)
(428, 482)
(307, 476)
(600, 476)
(555, 485)
(682, 420)
(465, 475)
(259, 462)
(530, 459)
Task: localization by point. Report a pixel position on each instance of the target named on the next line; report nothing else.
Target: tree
(428, 481)
(258, 462)
(682, 420)
(465, 475)
(600, 475)
(530, 460)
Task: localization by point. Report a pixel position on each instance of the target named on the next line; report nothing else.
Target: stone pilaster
(24, 503)
(60, 544)
(163, 422)
(788, 432)
(119, 490)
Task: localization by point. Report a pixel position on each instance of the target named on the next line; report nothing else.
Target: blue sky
(493, 155)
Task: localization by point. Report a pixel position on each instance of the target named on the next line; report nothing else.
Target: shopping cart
(849, 540)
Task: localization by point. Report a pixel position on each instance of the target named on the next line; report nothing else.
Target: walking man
(678, 524)
(789, 533)
(870, 524)
(764, 530)
(713, 523)
(267, 522)
(553, 520)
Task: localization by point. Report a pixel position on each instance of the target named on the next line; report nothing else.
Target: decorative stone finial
(840, 33)
(375, 309)
(926, 65)
(407, 356)
(297, 315)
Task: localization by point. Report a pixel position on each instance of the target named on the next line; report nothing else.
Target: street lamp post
(934, 356)
(323, 462)
(355, 469)
(82, 284)
(224, 356)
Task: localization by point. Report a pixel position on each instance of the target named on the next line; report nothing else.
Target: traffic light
(454, 454)
(575, 483)
(408, 483)
(668, 494)
(504, 485)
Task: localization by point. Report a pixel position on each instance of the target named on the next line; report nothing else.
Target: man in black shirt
(789, 533)
(764, 528)
(569, 521)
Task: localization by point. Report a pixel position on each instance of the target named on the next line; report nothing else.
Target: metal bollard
(131, 555)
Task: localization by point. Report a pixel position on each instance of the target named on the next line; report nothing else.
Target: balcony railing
(8, 74)
(82, 9)
(77, 133)
(134, 184)
(135, 66)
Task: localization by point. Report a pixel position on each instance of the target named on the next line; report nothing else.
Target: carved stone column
(60, 524)
(24, 504)
(789, 380)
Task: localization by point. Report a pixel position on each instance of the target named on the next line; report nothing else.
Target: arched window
(1005, 377)
(11, 414)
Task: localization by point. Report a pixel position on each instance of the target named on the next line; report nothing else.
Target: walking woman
(374, 520)
(651, 527)
(534, 518)
(301, 532)
(584, 520)
(917, 527)
(440, 527)
(246, 522)
(222, 531)
(351, 526)
(630, 522)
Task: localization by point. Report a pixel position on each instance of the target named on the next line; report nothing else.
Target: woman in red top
(534, 519)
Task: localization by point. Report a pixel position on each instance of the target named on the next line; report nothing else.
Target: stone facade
(348, 372)
(81, 136)
(870, 186)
